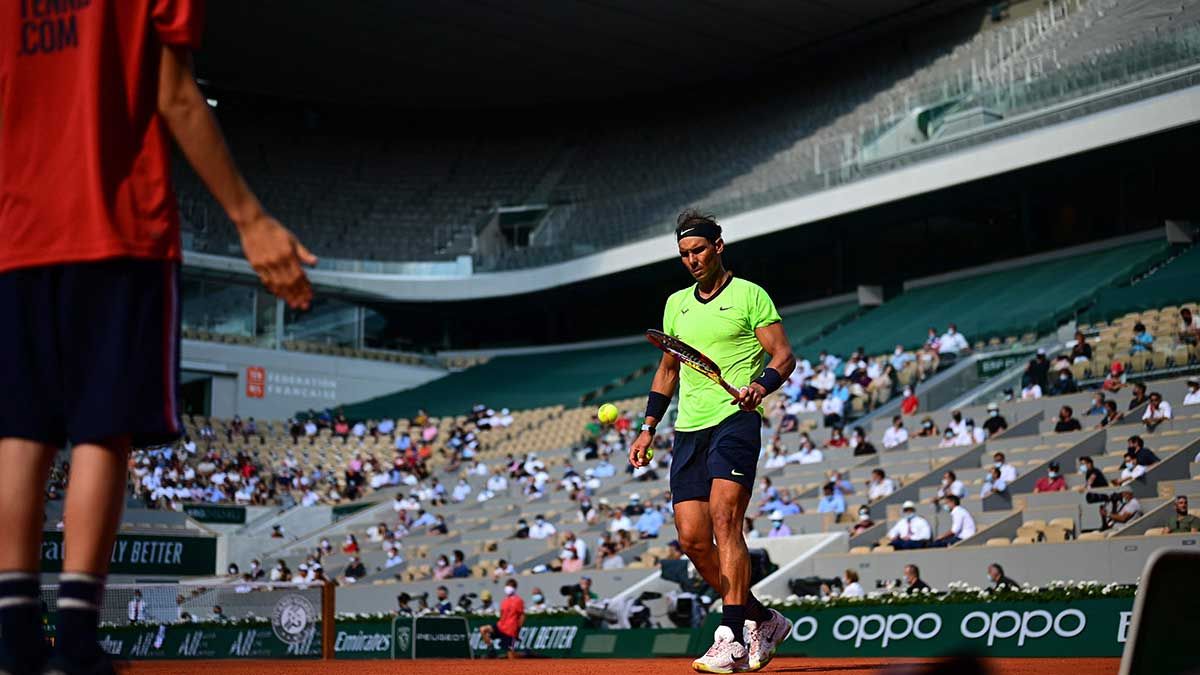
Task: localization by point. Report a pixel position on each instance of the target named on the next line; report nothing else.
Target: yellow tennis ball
(608, 413)
(649, 454)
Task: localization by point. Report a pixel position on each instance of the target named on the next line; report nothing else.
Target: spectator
(910, 403)
(619, 521)
(1193, 395)
(1189, 327)
(1092, 477)
(1141, 340)
(1115, 379)
(1081, 351)
(461, 491)
(896, 434)
(778, 527)
(831, 501)
(1181, 521)
(1130, 469)
(1038, 370)
(1139, 395)
(912, 576)
(861, 445)
(1066, 421)
(649, 523)
(999, 580)
(571, 561)
(1007, 471)
(610, 558)
(950, 485)
(541, 528)
(864, 521)
(911, 531)
(1053, 481)
(442, 568)
(832, 408)
(836, 439)
(1111, 414)
(582, 594)
(957, 424)
(1145, 456)
(442, 604)
(503, 569)
(748, 530)
(1064, 384)
(539, 601)
(350, 545)
(459, 569)
(1098, 406)
(928, 428)
(900, 358)
(137, 607)
(928, 357)
(1031, 391)
(1128, 510)
(439, 526)
(355, 570)
(951, 439)
(393, 558)
(993, 484)
(1157, 412)
(962, 525)
(995, 423)
(879, 486)
(880, 388)
(972, 433)
(952, 342)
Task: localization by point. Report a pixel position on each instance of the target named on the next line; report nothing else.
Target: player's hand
(278, 258)
(750, 397)
(638, 449)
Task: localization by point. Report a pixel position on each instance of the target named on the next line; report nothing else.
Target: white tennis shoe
(725, 655)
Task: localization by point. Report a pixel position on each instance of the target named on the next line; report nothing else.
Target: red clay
(593, 666)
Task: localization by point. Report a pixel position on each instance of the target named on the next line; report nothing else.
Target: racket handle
(731, 389)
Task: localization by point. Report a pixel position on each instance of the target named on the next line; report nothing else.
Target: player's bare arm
(774, 342)
(270, 248)
(666, 379)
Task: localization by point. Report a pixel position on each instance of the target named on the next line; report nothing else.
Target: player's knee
(725, 525)
(694, 546)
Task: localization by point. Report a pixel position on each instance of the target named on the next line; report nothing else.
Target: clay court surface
(593, 666)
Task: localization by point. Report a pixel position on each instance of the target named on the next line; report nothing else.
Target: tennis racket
(690, 356)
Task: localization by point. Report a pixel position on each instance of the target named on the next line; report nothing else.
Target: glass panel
(329, 323)
(217, 308)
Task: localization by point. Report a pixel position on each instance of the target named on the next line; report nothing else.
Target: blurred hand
(278, 258)
(637, 449)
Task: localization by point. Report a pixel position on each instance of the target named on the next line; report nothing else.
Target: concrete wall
(294, 381)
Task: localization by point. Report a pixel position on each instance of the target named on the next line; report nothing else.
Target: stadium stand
(1170, 284)
(1029, 298)
(391, 197)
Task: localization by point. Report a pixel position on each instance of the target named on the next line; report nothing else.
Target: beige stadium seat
(883, 549)
(997, 541)
(860, 550)
(1091, 536)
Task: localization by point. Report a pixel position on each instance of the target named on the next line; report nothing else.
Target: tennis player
(734, 323)
(89, 282)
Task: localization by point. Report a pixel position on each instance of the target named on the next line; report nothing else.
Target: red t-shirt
(909, 405)
(85, 166)
(512, 615)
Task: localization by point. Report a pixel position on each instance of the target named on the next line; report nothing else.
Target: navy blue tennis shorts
(90, 351)
(728, 451)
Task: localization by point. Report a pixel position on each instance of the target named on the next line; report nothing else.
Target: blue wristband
(770, 380)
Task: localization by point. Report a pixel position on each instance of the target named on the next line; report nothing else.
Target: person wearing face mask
(879, 486)
(1053, 481)
(1128, 509)
(950, 439)
(864, 521)
(896, 434)
(928, 429)
(910, 403)
(1111, 414)
(256, 571)
(1066, 421)
(836, 439)
(1097, 407)
(950, 485)
(972, 433)
(1193, 395)
(1007, 471)
(778, 527)
(1064, 384)
(443, 605)
(900, 358)
(999, 579)
(861, 445)
(993, 484)
(538, 601)
(1130, 470)
(995, 422)
(542, 529)
(962, 525)
(442, 569)
(1092, 477)
(911, 531)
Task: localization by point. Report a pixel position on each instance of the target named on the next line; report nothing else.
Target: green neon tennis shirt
(722, 328)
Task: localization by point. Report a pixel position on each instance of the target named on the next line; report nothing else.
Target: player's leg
(727, 508)
(695, 531)
(22, 502)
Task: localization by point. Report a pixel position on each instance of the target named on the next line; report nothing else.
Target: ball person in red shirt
(505, 632)
(91, 93)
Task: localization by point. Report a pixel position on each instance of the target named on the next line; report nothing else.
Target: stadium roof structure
(492, 53)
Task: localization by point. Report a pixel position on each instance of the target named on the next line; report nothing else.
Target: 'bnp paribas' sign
(145, 554)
